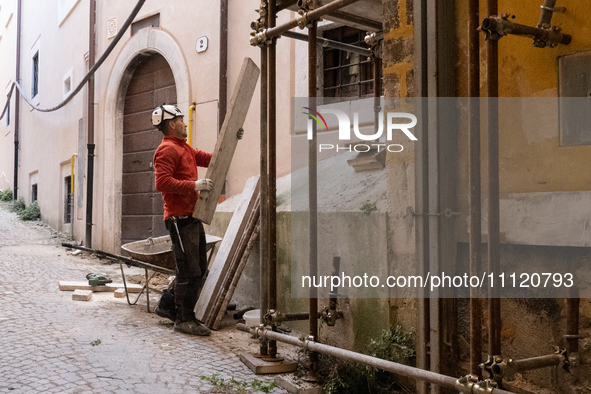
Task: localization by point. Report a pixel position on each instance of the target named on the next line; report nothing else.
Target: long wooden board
(227, 140)
(228, 246)
(71, 286)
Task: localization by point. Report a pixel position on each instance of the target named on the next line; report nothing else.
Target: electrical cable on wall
(90, 73)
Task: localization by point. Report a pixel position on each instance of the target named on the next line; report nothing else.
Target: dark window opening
(151, 21)
(68, 200)
(35, 79)
(34, 192)
(347, 74)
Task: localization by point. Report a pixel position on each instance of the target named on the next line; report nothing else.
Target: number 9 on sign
(201, 44)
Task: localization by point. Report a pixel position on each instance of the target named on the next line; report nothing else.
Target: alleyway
(45, 337)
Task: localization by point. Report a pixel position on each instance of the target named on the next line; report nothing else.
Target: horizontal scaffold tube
(399, 369)
(311, 15)
(330, 43)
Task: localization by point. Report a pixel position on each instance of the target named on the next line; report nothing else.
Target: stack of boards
(231, 257)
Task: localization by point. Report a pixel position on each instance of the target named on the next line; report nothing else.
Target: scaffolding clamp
(330, 316)
(469, 384)
(258, 38)
(375, 41)
(274, 318)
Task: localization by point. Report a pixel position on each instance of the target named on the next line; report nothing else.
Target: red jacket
(175, 164)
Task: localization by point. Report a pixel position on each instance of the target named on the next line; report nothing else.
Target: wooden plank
(218, 298)
(259, 366)
(119, 293)
(72, 285)
(82, 295)
(230, 292)
(228, 246)
(227, 140)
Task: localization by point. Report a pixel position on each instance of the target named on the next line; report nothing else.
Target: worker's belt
(182, 220)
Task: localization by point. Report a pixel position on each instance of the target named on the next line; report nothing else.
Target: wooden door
(152, 85)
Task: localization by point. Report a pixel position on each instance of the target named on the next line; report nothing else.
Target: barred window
(347, 74)
(35, 78)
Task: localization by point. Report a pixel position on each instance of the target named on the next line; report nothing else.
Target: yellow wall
(529, 162)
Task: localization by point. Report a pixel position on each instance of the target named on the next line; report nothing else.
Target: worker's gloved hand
(240, 133)
(204, 184)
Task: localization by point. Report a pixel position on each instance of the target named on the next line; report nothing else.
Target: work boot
(192, 327)
(166, 307)
(167, 314)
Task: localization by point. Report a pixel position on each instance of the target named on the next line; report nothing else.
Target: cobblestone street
(46, 338)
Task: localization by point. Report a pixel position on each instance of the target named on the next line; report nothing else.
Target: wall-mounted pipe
(90, 139)
(389, 366)
(17, 101)
(190, 136)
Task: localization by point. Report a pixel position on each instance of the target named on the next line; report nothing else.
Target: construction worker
(175, 165)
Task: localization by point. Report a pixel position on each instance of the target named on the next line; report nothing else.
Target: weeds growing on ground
(95, 342)
(6, 195)
(369, 207)
(236, 386)
(343, 377)
(32, 212)
(18, 206)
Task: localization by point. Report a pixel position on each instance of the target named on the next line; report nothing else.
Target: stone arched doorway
(152, 84)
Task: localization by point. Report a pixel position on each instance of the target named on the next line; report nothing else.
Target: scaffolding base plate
(296, 385)
(261, 367)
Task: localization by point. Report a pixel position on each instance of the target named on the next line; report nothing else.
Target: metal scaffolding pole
(492, 74)
(307, 17)
(461, 385)
(272, 171)
(475, 188)
(312, 187)
(330, 43)
(264, 234)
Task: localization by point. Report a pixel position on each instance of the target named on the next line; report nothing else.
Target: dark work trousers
(191, 265)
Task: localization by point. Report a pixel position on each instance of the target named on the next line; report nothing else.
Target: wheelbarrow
(153, 254)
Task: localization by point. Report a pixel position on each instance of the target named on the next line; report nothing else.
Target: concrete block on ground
(119, 293)
(82, 295)
(297, 385)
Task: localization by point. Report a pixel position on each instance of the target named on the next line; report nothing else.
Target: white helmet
(165, 112)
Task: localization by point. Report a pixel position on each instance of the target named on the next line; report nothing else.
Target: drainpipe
(223, 100)
(72, 160)
(312, 187)
(190, 136)
(90, 139)
(272, 172)
(475, 192)
(492, 78)
(17, 105)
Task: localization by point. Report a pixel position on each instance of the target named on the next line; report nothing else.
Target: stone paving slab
(46, 339)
